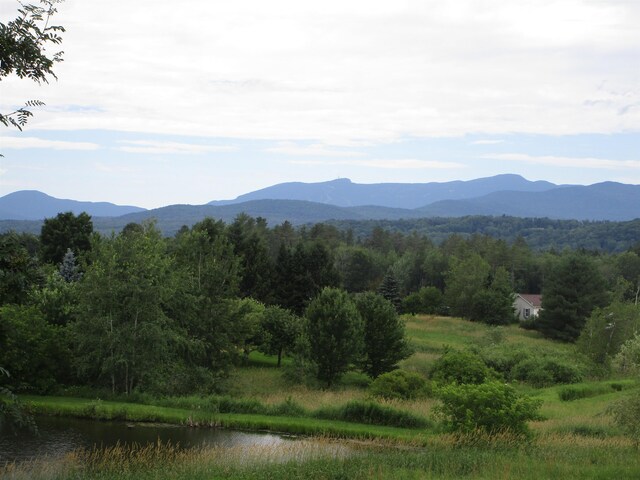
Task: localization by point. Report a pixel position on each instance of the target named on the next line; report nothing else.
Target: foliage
(34, 351)
(12, 412)
(334, 330)
(460, 367)
(301, 274)
(280, 329)
(466, 277)
(63, 232)
(541, 372)
(19, 270)
(384, 336)
(607, 329)
(23, 51)
(628, 359)
(389, 290)
(69, 269)
(426, 300)
(491, 407)
(123, 335)
(400, 384)
(626, 415)
(572, 290)
(371, 413)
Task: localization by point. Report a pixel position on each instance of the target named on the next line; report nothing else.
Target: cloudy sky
(185, 102)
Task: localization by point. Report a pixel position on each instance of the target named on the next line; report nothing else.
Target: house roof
(535, 300)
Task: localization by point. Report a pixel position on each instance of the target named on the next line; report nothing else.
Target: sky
(159, 103)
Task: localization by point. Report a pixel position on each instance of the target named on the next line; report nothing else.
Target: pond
(57, 436)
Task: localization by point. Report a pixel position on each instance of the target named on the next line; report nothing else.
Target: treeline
(539, 233)
(137, 311)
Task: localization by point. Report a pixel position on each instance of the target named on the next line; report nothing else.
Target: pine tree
(389, 290)
(69, 269)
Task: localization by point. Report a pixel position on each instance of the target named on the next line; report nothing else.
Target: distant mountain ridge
(344, 193)
(35, 205)
(602, 201)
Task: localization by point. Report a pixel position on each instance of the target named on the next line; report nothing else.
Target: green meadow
(576, 437)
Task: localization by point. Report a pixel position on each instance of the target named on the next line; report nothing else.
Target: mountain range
(341, 199)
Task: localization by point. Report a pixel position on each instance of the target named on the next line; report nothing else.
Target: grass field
(575, 439)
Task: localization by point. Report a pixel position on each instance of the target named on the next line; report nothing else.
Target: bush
(626, 415)
(460, 367)
(399, 384)
(491, 407)
(373, 414)
(542, 372)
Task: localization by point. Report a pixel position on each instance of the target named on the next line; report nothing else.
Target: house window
(527, 312)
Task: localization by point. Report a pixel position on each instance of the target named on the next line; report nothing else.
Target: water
(61, 435)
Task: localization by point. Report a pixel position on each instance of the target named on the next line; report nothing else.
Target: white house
(527, 305)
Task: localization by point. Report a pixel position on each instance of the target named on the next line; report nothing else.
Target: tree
(334, 330)
(384, 337)
(250, 244)
(69, 269)
(19, 271)
(466, 277)
(23, 44)
(607, 329)
(207, 280)
(301, 274)
(123, 335)
(280, 329)
(389, 289)
(63, 232)
(426, 300)
(572, 290)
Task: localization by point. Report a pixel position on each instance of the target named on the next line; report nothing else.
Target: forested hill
(539, 233)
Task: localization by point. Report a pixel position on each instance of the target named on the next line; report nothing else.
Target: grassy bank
(131, 412)
(442, 457)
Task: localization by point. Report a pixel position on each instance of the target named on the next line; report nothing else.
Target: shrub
(546, 371)
(491, 407)
(399, 384)
(372, 413)
(626, 415)
(460, 367)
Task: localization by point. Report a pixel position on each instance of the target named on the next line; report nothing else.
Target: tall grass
(445, 457)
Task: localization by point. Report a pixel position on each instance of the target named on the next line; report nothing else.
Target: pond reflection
(57, 436)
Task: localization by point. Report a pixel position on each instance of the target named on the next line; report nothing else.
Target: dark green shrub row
(400, 384)
(538, 368)
(577, 392)
(372, 413)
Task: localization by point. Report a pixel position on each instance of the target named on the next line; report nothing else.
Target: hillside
(601, 201)
(34, 205)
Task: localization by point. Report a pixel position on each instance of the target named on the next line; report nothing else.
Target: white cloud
(573, 162)
(400, 164)
(487, 142)
(335, 71)
(165, 148)
(34, 142)
(319, 150)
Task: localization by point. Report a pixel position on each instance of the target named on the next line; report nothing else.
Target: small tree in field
(334, 330)
(280, 329)
(384, 339)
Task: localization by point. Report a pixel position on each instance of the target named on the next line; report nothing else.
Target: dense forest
(137, 311)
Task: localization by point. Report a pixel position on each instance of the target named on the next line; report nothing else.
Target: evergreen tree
(69, 269)
(389, 290)
(334, 330)
(571, 291)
